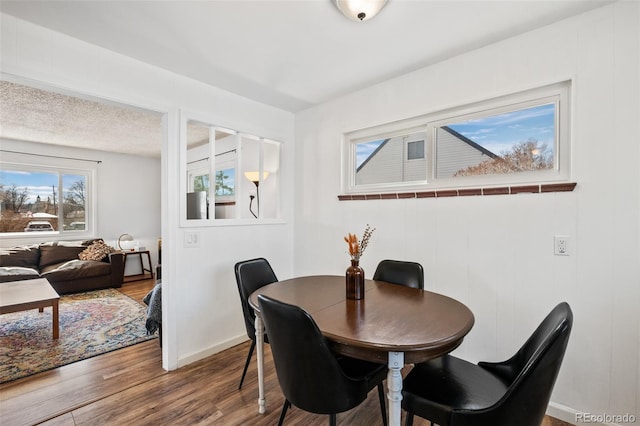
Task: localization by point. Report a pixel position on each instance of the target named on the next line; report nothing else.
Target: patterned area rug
(91, 324)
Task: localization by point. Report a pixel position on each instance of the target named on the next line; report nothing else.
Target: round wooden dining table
(392, 324)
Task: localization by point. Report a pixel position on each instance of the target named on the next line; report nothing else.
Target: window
(225, 183)
(390, 159)
(36, 201)
(415, 150)
(515, 139)
(238, 190)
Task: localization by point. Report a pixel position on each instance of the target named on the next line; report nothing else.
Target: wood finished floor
(129, 387)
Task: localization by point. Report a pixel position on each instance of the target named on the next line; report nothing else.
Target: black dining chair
(311, 376)
(250, 276)
(408, 274)
(453, 392)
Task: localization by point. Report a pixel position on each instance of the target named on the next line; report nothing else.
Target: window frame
(60, 167)
(557, 93)
(239, 192)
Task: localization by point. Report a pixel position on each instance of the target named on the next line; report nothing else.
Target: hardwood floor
(129, 387)
(137, 289)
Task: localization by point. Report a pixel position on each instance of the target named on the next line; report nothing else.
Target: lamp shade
(255, 176)
(125, 242)
(360, 10)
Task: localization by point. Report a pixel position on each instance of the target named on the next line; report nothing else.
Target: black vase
(355, 281)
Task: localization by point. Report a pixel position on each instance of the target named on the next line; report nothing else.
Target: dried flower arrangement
(356, 249)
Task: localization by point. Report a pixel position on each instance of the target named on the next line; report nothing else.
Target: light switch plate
(191, 239)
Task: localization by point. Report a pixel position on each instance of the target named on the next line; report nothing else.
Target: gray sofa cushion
(75, 269)
(51, 255)
(17, 273)
(25, 257)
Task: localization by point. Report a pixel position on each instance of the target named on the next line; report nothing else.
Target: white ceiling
(292, 54)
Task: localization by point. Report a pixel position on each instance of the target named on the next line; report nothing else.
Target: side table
(145, 273)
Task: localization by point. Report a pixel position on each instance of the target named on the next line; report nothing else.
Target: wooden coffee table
(16, 296)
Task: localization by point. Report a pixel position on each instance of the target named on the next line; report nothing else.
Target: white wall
(129, 194)
(495, 253)
(201, 309)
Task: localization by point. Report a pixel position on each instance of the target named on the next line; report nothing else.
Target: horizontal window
(514, 139)
(39, 201)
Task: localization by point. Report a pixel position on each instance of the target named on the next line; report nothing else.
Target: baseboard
(574, 417)
(211, 350)
(562, 412)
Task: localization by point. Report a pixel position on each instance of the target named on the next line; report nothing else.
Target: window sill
(213, 223)
(13, 239)
(503, 190)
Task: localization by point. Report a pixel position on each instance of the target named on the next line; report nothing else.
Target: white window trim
(61, 166)
(186, 117)
(558, 93)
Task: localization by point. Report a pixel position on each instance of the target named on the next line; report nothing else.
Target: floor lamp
(255, 178)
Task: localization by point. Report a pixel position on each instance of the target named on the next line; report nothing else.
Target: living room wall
(495, 253)
(201, 309)
(128, 193)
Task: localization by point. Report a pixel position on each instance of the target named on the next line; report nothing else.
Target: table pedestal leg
(260, 356)
(394, 386)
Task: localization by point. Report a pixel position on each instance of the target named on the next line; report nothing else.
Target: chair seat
(434, 388)
(453, 392)
(371, 372)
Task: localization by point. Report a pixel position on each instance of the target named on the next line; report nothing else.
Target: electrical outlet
(561, 245)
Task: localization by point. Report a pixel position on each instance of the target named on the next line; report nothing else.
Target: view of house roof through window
(499, 133)
(524, 137)
(518, 138)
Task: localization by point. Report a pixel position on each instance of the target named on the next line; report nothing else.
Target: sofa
(70, 267)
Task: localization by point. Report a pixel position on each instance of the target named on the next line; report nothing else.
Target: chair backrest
(309, 374)
(409, 274)
(251, 275)
(531, 374)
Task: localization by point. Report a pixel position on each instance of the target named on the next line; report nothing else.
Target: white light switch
(191, 239)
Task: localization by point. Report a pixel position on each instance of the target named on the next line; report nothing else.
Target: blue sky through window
(499, 133)
(229, 181)
(364, 150)
(37, 183)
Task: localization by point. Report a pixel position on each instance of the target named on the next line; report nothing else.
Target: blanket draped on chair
(153, 300)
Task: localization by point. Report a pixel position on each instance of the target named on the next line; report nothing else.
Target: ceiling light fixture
(360, 10)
